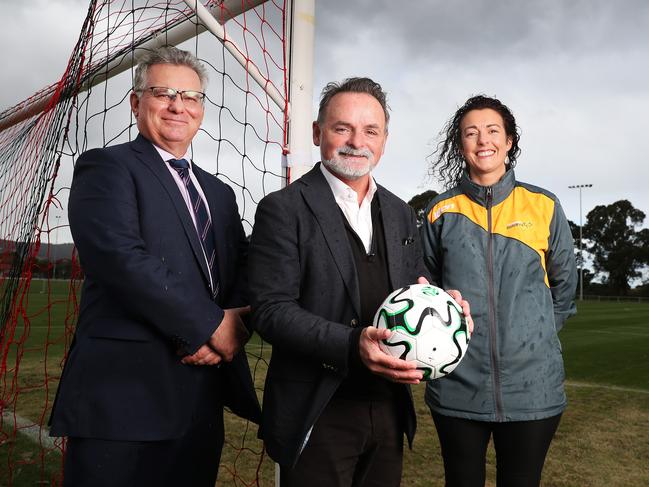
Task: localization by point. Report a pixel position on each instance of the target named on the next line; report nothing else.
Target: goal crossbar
(211, 18)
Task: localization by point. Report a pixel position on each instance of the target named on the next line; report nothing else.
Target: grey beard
(349, 170)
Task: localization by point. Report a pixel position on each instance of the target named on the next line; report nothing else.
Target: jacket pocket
(121, 329)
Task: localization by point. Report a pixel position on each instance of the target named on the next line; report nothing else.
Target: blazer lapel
(320, 199)
(392, 239)
(218, 222)
(150, 157)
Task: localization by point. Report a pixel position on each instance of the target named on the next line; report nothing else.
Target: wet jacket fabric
(509, 250)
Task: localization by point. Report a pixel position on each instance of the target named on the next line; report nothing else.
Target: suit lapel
(320, 199)
(390, 220)
(219, 220)
(147, 154)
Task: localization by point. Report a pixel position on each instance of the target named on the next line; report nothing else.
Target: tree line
(615, 250)
(615, 247)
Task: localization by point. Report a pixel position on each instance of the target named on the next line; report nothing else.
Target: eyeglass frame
(176, 92)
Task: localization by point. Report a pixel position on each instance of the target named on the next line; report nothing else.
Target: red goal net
(242, 141)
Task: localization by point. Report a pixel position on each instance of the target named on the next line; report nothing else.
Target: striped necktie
(203, 220)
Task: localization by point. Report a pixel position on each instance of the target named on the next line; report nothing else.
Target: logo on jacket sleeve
(442, 209)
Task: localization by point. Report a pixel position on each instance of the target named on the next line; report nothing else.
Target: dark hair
(353, 85)
(447, 162)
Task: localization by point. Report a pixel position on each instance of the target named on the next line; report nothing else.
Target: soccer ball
(427, 326)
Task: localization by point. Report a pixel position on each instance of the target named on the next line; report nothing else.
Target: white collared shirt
(358, 217)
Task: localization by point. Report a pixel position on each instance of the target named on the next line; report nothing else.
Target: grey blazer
(305, 300)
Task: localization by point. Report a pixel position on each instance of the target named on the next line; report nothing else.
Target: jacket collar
(500, 191)
(149, 156)
(320, 199)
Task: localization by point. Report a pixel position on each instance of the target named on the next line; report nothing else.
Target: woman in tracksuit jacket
(507, 247)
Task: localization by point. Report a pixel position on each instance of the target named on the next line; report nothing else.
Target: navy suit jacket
(146, 300)
(306, 301)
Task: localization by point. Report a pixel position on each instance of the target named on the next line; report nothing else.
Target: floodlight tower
(581, 254)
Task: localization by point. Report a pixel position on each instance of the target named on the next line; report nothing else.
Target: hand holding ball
(427, 326)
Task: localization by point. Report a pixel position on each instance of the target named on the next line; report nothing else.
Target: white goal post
(300, 33)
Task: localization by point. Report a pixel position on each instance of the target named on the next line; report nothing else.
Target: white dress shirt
(358, 217)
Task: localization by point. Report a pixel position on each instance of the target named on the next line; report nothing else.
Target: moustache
(350, 151)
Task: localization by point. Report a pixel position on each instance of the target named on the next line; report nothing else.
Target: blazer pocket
(409, 253)
(121, 329)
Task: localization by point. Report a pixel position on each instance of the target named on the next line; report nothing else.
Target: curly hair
(447, 162)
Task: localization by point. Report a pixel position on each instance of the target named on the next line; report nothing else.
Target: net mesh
(242, 141)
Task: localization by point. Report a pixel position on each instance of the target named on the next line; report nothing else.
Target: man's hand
(225, 342)
(231, 335)
(457, 296)
(203, 356)
(380, 363)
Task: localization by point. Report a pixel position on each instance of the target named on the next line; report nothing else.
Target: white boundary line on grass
(603, 386)
(29, 429)
(619, 333)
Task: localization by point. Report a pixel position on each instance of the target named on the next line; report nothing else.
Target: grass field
(602, 440)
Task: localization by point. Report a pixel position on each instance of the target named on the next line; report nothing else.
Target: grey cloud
(442, 29)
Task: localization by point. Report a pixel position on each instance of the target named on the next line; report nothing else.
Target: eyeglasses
(169, 95)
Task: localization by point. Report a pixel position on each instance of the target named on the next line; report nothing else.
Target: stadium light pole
(581, 254)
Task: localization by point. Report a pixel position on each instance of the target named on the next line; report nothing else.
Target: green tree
(419, 202)
(574, 230)
(619, 251)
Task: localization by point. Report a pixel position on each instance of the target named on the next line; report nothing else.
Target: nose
(176, 105)
(482, 137)
(356, 139)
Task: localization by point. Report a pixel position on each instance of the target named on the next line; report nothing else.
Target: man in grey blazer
(324, 253)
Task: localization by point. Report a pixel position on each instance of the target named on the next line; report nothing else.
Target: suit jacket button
(354, 323)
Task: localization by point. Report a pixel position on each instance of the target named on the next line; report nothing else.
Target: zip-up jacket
(509, 250)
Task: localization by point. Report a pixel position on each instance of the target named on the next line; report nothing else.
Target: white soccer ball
(427, 326)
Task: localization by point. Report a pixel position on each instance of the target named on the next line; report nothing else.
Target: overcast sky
(574, 72)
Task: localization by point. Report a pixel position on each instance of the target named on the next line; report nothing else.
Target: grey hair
(167, 55)
(353, 85)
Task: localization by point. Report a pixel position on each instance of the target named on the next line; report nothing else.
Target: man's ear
(135, 103)
(385, 140)
(316, 134)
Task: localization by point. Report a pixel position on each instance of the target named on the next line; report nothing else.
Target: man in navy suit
(158, 349)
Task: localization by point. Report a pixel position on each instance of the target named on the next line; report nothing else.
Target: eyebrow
(348, 124)
(489, 125)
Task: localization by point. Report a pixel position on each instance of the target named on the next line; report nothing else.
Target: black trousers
(521, 448)
(354, 443)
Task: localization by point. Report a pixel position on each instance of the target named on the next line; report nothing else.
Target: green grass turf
(608, 343)
(601, 441)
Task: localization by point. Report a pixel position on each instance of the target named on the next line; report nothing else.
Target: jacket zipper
(492, 309)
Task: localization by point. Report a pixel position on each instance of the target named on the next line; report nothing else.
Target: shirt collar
(166, 156)
(343, 191)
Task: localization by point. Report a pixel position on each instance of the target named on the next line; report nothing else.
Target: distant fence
(627, 299)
